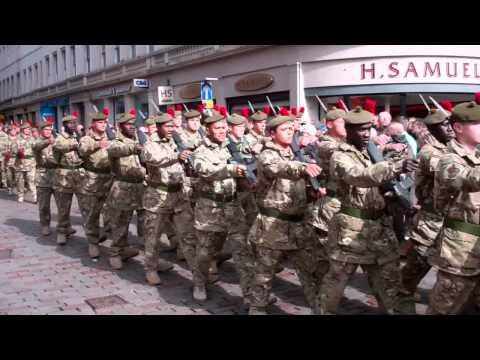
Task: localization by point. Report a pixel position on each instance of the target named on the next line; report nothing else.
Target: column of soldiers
(192, 180)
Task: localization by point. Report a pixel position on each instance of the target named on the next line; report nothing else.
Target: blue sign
(206, 90)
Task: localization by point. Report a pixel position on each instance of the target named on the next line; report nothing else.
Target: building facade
(49, 81)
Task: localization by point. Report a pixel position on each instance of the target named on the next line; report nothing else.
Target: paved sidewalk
(39, 277)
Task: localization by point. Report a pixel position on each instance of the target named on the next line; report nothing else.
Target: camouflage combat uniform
(126, 194)
(457, 255)
(24, 166)
(218, 214)
(10, 162)
(68, 179)
(361, 233)
(44, 177)
(96, 185)
(279, 227)
(253, 138)
(320, 212)
(3, 163)
(165, 199)
(427, 221)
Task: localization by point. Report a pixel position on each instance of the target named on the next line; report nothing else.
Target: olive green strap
(468, 228)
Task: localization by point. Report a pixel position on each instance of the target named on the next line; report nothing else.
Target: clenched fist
(313, 170)
(409, 165)
(184, 155)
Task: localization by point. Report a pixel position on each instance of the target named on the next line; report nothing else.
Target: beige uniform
(165, 199)
(457, 256)
(127, 190)
(3, 163)
(96, 184)
(44, 176)
(24, 165)
(218, 214)
(68, 179)
(361, 233)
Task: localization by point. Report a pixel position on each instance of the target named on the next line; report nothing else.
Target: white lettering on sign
(165, 95)
(392, 70)
(141, 83)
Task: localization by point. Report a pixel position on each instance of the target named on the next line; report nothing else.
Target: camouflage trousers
(249, 206)
(23, 178)
(3, 172)
(119, 222)
(64, 205)
(44, 196)
(416, 267)
(267, 261)
(154, 226)
(106, 217)
(11, 181)
(451, 294)
(210, 243)
(91, 207)
(385, 281)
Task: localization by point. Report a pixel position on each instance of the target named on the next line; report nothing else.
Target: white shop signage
(165, 95)
(392, 70)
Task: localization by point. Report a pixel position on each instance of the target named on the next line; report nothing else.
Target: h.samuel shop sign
(392, 70)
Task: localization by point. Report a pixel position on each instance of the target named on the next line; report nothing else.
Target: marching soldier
(127, 190)
(457, 192)
(10, 159)
(165, 198)
(43, 151)
(279, 227)
(69, 176)
(218, 214)
(427, 221)
(360, 233)
(256, 136)
(3, 149)
(320, 212)
(98, 180)
(24, 163)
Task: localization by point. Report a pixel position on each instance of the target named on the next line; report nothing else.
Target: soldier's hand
(382, 139)
(409, 165)
(322, 192)
(184, 155)
(51, 140)
(313, 170)
(396, 147)
(138, 148)
(104, 143)
(257, 148)
(241, 170)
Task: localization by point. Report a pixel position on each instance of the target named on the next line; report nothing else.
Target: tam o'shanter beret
(214, 118)
(191, 114)
(467, 111)
(236, 119)
(334, 114)
(358, 116)
(259, 116)
(163, 118)
(435, 117)
(278, 120)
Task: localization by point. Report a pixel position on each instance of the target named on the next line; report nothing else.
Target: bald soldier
(46, 164)
(427, 221)
(98, 180)
(24, 163)
(69, 176)
(165, 198)
(279, 227)
(126, 193)
(361, 232)
(457, 193)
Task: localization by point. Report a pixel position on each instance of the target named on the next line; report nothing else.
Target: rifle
(300, 156)
(250, 164)
(142, 138)
(401, 188)
(181, 148)
(110, 135)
